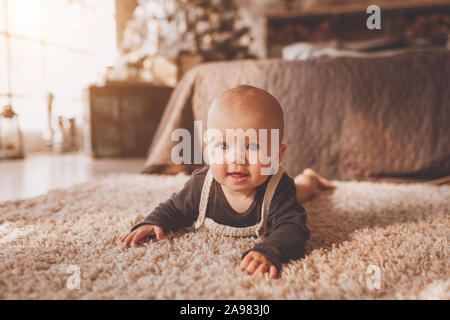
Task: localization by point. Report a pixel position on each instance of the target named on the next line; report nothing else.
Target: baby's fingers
(261, 269)
(272, 272)
(245, 262)
(129, 237)
(125, 236)
(140, 235)
(252, 267)
(159, 232)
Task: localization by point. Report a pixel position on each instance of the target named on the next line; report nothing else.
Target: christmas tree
(170, 28)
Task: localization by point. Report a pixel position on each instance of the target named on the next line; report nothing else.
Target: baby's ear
(282, 150)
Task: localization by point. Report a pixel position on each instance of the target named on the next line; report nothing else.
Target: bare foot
(309, 183)
(322, 183)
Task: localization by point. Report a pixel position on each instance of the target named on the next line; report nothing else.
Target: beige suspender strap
(268, 195)
(204, 199)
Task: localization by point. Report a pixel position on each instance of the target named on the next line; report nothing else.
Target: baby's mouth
(237, 174)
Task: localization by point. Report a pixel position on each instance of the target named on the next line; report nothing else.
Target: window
(2, 16)
(3, 67)
(57, 46)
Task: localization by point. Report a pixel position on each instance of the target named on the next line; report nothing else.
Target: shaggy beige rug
(368, 241)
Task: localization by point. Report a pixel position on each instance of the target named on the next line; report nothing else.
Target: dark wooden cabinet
(122, 118)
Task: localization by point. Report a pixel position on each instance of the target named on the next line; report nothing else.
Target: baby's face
(240, 154)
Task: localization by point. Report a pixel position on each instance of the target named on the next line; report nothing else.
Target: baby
(239, 193)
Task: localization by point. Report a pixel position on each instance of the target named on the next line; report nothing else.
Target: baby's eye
(253, 146)
(223, 146)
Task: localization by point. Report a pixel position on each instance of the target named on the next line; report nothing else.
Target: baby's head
(245, 133)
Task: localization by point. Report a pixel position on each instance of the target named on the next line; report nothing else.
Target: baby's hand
(255, 263)
(142, 232)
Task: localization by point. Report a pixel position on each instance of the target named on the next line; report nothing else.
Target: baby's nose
(237, 155)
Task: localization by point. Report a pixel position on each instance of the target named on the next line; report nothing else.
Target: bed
(347, 117)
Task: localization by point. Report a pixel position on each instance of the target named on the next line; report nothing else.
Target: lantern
(11, 143)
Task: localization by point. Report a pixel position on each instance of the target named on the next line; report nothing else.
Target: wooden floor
(39, 173)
